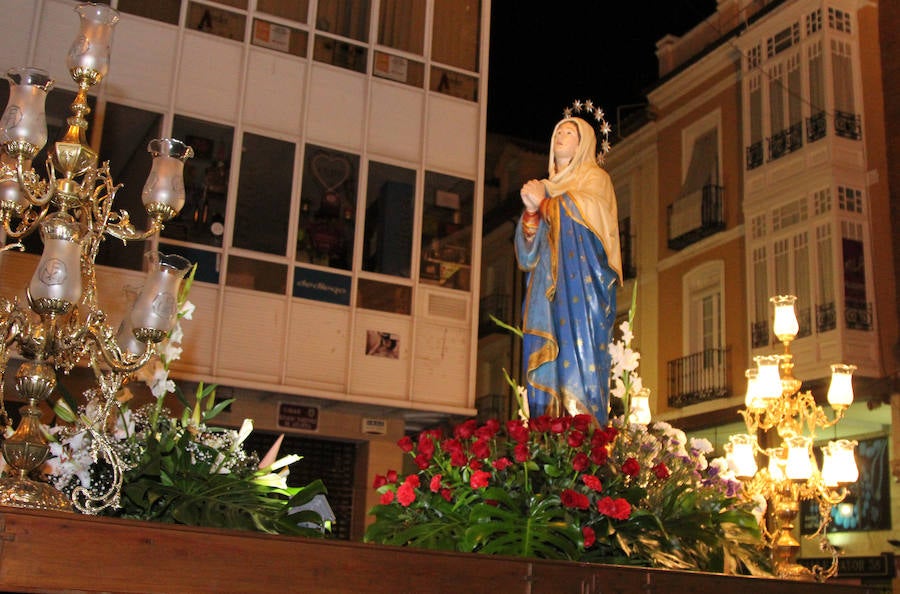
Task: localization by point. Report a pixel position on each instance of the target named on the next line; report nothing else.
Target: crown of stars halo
(589, 111)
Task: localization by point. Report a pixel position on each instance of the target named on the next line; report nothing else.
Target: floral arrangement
(177, 469)
(566, 488)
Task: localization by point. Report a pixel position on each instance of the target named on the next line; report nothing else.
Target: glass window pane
(401, 25)
(296, 10)
(224, 23)
(387, 246)
(166, 11)
(280, 37)
(257, 275)
(126, 133)
(453, 83)
(202, 220)
(209, 264)
(384, 297)
(340, 53)
(347, 18)
(455, 33)
(399, 69)
(447, 231)
(327, 207)
(264, 195)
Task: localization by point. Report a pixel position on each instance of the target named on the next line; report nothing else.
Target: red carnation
(617, 509)
(488, 430)
(380, 481)
(589, 537)
(501, 463)
(426, 446)
(592, 482)
(476, 464)
(479, 479)
(661, 471)
(391, 476)
(422, 461)
(540, 424)
(574, 499)
(521, 452)
(599, 455)
(465, 430)
(406, 494)
(445, 493)
(631, 467)
(481, 448)
(575, 439)
(458, 458)
(580, 462)
(406, 443)
(435, 484)
(560, 424)
(387, 497)
(582, 422)
(517, 430)
(412, 480)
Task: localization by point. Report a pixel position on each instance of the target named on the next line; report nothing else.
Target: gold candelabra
(774, 402)
(61, 324)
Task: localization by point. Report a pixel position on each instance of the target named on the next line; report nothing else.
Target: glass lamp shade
(840, 391)
(163, 193)
(640, 407)
(799, 463)
(785, 325)
(776, 465)
(768, 377)
(23, 126)
(156, 307)
(752, 400)
(56, 282)
(743, 454)
(88, 58)
(838, 463)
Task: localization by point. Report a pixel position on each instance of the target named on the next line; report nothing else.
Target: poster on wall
(382, 344)
(868, 506)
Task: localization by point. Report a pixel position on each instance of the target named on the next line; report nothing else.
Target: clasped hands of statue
(533, 194)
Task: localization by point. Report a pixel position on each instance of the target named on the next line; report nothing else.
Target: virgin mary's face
(566, 142)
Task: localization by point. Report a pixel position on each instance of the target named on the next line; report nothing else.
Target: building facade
(333, 201)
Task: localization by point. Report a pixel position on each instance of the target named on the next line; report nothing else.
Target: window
(387, 239)
(166, 11)
(815, 127)
(704, 320)
(347, 18)
(258, 275)
(822, 201)
(784, 39)
(825, 306)
(850, 199)
(327, 208)
(789, 214)
(401, 25)
(858, 310)
(699, 204)
(447, 231)
(279, 37)
(839, 20)
(755, 148)
(295, 10)
(456, 33)
(126, 133)
(202, 220)
(759, 330)
(814, 22)
(215, 21)
(263, 203)
(792, 275)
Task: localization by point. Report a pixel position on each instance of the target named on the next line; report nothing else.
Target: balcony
(815, 127)
(847, 125)
(696, 216)
(858, 315)
(699, 377)
(786, 141)
(754, 155)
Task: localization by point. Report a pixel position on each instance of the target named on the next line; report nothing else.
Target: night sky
(543, 58)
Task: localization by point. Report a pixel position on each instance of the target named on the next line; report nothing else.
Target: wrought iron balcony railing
(847, 125)
(816, 127)
(786, 141)
(696, 216)
(755, 155)
(699, 377)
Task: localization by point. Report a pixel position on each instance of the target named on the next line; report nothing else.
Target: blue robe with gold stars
(568, 313)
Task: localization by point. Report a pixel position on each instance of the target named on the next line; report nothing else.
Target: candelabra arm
(120, 361)
(121, 228)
